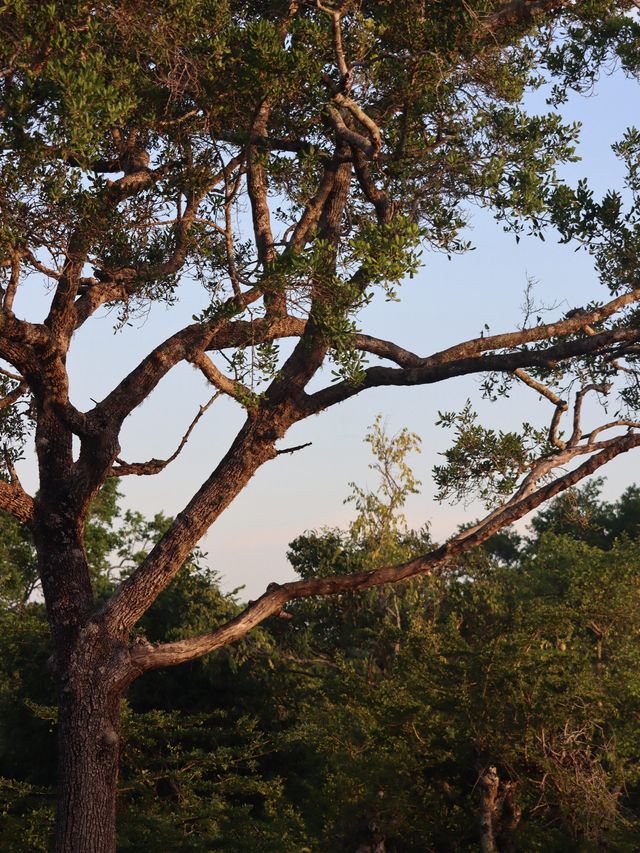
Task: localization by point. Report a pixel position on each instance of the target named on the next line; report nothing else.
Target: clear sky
(447, 302)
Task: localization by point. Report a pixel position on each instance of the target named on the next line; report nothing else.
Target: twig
(293, 449)
(154, 466)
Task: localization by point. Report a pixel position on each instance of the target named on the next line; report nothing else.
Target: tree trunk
(92, 683)
(92, 670)
(88, 756)
(488, 784)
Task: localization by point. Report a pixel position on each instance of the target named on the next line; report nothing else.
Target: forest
(393, 721)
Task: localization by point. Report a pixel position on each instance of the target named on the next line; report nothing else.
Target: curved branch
(272, 602)
(226, 385)
(431, 371)
(561, 405)
(141, 381)
(476, 346)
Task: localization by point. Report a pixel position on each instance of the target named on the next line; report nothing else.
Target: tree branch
(154, 466)
(435, 370)
(272, 602)
(475, 346)
(231, 387)
(13, 498)
(524, 12)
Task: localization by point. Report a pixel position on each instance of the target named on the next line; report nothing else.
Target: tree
(513, 685)
(355, 132)
(195, 771)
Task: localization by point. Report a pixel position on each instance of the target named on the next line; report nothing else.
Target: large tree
(354, 132)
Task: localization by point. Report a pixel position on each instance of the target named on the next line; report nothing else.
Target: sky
(449, 301)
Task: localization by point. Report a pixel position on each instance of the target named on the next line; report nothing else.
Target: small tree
(355, 132)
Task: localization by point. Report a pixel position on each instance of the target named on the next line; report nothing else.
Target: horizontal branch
(272, 602)
(520, 12)
(476, 346)
(436, 371)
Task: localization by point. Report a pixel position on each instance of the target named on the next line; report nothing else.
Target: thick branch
(231, 387)
(272, 602)
(15, 501)
(435, 370)
(141, 381)
(476, 346)
(520, 12)
(253, 446)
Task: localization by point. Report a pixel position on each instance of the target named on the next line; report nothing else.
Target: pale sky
(447, 302)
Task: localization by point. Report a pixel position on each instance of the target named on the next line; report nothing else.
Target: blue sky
(447, 302)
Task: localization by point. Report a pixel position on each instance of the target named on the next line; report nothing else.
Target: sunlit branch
(431, 370)
(475, 346)
(577, 409)
(12, 284)
(13, 396)
(277, 596)
(560, 405)
(232, 387)
(13, 498)
(621, 422)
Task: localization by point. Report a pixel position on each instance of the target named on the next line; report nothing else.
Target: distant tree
(132, 136)
(520, 677)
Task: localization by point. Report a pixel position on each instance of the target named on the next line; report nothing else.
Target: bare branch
(12, 285)
(154, 466)
(257, 189)
(11, 375)
(252, 447)
(539, 387)
(435, 370)
(40, 267)
(476, 346)
(622, 422)
(139, 383)
(560, 405)
(576, 435)
(294, 449)
(535, 333)
(272, 602)
(231, 387)
(351, 137)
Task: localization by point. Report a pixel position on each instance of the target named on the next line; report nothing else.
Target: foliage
(377, 710)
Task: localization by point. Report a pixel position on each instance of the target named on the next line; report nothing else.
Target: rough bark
(499, 813)
(488, 784)
(88, 745)
(92, 661)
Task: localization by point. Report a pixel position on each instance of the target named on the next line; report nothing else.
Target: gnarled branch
(272, 602)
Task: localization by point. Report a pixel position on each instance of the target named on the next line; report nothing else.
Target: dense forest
(495, 702)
